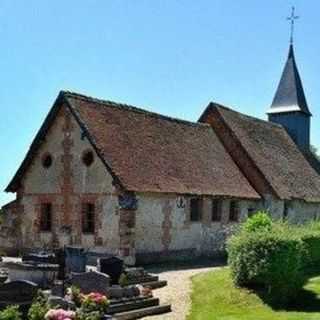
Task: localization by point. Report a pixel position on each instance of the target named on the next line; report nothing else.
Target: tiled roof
(274, 153)
(148, 152)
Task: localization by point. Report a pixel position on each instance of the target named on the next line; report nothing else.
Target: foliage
(39, 307)
(214, 297)
(275, 256)
(260, 220)
(11, 313)
(314, 150)
(123, 280)
(74, 294)
(94, 302)
(84, 315)
(310, 235)
(271, 259)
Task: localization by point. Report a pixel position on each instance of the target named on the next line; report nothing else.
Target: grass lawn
(215, 297)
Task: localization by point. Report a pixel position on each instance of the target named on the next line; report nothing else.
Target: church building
(120, 180)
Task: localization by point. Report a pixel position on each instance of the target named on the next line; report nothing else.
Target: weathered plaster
(67, 184)
(161, 226)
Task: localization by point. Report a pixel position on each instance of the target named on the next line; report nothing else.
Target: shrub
(11, 313)
(75, 295)
(259, 221)
(39, 307)
(310, 235)
(268, 259)
(123, 281)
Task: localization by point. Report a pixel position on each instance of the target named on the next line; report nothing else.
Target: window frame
(216, 210)
(198, 208)
(234, 211)
(46, 217)
(88, 224)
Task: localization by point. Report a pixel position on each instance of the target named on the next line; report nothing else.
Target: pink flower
(60, 314)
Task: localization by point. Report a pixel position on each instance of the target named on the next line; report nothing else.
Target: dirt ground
(177, 292)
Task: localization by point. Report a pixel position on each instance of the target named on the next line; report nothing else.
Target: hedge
(276, 257)
(270, 261)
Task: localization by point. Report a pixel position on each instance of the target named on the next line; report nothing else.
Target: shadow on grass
(306, 301)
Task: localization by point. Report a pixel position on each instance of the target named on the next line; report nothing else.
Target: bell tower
(289, 106)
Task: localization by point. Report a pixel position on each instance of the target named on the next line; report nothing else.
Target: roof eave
(286, 109)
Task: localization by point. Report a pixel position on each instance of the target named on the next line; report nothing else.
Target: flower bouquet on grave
(93, 306)
(60, 314)
(95, 301)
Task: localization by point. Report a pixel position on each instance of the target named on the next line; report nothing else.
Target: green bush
(11, 313)
(310, 235)
(39, 307)
(270, 260)
(259, 221)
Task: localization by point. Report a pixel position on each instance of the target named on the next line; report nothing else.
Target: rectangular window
(88, 218)
(195, 209)
(216, 210)
(46, 217)
(234, 211)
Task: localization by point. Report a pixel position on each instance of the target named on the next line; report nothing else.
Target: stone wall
(301, 211)
(10, 236)
(164, 230)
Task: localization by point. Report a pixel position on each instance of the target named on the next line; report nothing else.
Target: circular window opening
(47, 161)
(88, 158)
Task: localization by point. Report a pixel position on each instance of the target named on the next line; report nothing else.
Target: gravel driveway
(177, 292)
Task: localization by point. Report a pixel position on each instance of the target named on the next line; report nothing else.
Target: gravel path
(177, 292)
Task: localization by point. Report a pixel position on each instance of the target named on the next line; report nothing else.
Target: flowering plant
(94, 301)
(74, 294)
(60, 314)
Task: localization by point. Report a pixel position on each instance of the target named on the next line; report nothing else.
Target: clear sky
(169, 56)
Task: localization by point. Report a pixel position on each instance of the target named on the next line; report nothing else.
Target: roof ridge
(271, 124)
(132, 108)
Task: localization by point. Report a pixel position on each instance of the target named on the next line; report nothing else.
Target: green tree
(314, 150)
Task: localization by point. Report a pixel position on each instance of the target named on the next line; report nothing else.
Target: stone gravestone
(91, 281)
(18, 292)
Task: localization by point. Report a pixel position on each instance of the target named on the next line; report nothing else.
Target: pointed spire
(290, 95)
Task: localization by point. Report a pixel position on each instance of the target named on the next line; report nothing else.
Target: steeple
(289, 106)
(290, 95)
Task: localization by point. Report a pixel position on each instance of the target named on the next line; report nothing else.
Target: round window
(47, 160)
(88, 158)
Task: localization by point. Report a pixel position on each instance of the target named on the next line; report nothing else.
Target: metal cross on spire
(292, 18)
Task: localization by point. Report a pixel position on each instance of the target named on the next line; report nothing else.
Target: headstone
(17, 292)
(92, 281)
(76, 259)
(40, 258)
(112, 266)
(58, 302)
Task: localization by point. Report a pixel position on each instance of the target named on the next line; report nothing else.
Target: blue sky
(169, 56)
